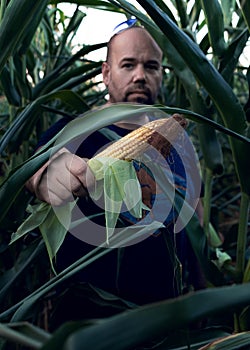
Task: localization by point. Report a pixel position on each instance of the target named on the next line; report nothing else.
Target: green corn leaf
(97, 4)
(53, 230)
(10, 90)
(245, 8)
(246, 277)
(211, 149)
(231, 342)
(230, 59)
(16, 12)
(28, 117)
(70, 77)
(221, 258)
(24, 45)
(55, 74)
(27, 258)
(131, 329)
(215, 22)
(38, 213)
(7, 332)
(72, 27)
(228, 7)
(25, 333)
(182, 10)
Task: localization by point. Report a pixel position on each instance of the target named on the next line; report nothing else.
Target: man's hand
(65, 175)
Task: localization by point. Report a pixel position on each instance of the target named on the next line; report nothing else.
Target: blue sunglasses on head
(124, 25)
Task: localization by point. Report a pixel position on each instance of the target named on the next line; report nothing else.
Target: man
(144, 272)
(132, 73)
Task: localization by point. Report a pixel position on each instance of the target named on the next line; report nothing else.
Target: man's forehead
(134, 43)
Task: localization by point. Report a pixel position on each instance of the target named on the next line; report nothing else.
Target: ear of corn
(110, 167)
(160, 134)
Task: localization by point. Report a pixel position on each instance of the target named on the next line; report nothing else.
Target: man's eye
(127, 65)
(152, 67)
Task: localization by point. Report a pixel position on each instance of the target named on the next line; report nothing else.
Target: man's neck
(134, 124)
(131, 124)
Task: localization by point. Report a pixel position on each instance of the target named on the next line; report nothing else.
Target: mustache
(138, 88)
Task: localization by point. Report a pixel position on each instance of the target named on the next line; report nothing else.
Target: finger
(77, 188)
(52, 191)
(77, 167)
(82, 178)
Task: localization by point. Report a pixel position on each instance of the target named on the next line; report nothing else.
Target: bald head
(138, 35)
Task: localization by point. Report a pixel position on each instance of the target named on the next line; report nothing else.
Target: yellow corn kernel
(159, 133)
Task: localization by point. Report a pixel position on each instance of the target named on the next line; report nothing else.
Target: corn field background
(44, 77)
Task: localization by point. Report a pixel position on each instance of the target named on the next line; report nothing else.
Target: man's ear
(106, 73)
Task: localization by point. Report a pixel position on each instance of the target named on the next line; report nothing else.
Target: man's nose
(139, 74)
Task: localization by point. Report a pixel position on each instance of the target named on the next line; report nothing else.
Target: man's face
(133, 73)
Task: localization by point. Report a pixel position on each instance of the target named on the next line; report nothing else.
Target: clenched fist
(64, 176)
